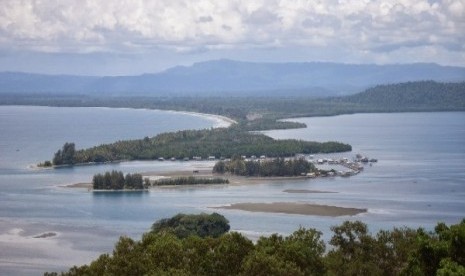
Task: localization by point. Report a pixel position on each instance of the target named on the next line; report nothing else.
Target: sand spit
(296, 208)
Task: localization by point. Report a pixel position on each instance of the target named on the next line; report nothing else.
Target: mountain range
(235, 78)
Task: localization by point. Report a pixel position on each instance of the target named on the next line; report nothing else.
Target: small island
(116, 180)
(262, 167)
(193, 145)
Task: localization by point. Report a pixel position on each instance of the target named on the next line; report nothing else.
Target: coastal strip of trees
(190, 180)
(199, 245)
(401, 97)
(265, 168)
(116, 180)
(220, 142)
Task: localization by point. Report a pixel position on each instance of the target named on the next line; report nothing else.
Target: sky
(130, 37)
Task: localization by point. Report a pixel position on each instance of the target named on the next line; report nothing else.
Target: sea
(419, 180)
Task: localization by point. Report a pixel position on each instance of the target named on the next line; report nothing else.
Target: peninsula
(194, 145)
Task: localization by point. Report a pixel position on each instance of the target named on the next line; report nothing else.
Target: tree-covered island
(251, 114)
(116, 180)
(220, 142)
(265, 168)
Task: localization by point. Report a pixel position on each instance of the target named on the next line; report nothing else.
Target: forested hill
(411, 96)
(235, 78)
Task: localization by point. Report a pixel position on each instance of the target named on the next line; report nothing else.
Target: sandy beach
(295, 208)
(206, 172)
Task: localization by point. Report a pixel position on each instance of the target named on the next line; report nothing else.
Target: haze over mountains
(228, 78)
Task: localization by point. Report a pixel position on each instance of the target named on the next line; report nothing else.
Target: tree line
(190, 180)
(196, 245)
(412, 96)
(265, 168)
(401, 97)
(220, 142)
(116, 180)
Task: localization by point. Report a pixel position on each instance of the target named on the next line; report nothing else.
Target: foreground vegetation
(196, 245)
(202, 225)
(265, 168)
(221, 142)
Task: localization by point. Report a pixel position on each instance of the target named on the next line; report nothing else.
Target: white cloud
(138, 25)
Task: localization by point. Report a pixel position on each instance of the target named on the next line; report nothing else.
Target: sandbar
(78, 185)
(296, 208)
(302, 191)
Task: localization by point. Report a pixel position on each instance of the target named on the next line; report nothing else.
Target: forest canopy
(116, 180)
(199, 245)
(220, 142)
(265, 168)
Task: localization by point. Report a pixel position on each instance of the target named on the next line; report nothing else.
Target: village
(324, 166)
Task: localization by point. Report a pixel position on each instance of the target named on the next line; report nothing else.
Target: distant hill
(423, 95)
(235, 78)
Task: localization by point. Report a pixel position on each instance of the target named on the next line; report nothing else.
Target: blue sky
(127, 37)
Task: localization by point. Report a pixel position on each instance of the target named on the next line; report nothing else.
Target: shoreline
(295, 209)
(204, 172)
(219, 121)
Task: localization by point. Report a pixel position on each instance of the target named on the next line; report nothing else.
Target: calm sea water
(419, 180)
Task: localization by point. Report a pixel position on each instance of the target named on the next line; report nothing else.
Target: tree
(219, 167)
(353, 252)
(202, 225)
(261, 264)
(65, 156)
(303, 249)
(440, 250)
(115, 180)
(228, 255)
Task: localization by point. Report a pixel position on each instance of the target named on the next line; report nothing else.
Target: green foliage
(261, 264)
(274, 167)
(190, 181)
(65, 156)
(115, 180)
(412, 96)
(401, 251)
(450, 268)
(269, 123)
(202, 225)
(45, 164)
(217, 142)
(441, 251)
(353, 250)
(302, 250)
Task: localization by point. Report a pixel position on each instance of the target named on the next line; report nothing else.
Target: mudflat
(296, 208)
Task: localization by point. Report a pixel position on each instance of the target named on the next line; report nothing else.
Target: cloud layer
(376, 30)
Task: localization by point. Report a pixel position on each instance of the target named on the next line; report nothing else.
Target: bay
(418, 181)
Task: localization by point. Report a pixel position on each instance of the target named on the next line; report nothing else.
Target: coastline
(221, 121)
(206, 172)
